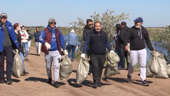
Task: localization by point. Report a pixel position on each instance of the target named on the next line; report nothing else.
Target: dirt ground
(35, 84)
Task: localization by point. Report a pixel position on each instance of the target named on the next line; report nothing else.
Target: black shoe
(95, 86)
(25, 73)
(2, 81)
(50, 81)
(145, 83)
(9, 82)
(100, 84)
(129, 79)
(56, 85)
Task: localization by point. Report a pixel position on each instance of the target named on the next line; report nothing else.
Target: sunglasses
(90, 24)
(53, 23)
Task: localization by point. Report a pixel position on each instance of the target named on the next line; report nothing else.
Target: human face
(52, 25)
(90, 24)
(3, 20)
(98, 27)
(22, 28)
(139, 24)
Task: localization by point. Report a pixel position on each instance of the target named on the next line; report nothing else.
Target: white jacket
(24, 36)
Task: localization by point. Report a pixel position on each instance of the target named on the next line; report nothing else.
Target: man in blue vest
(8, 42)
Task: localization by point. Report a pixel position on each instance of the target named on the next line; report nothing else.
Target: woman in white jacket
(24, 40)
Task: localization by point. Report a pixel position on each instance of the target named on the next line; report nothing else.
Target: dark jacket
(37, 36)
(19, 42)
(138, 39)
(121, 37)
(96, 43)
(86, 31)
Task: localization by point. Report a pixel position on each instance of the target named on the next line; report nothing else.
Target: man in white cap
(53, 46)
(8, 42)
(72, 44)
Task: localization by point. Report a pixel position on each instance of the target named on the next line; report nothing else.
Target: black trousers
(97, 65)
(121, 53)
(8, 55)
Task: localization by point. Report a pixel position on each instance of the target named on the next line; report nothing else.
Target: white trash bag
(17, 65)
(82, 70)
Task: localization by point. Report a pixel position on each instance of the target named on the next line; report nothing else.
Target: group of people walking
(95, 44)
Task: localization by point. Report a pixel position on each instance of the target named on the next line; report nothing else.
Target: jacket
(97, 43)
(37, 36)
(11, 34)
(138, 38)
(73, 39)
(53, 41)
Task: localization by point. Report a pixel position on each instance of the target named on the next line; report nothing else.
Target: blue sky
(36, 12)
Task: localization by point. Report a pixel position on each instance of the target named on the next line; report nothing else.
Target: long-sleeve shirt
(97, 43)
(53, 42)
(138, 38)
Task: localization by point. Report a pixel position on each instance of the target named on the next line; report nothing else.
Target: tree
(108, 19)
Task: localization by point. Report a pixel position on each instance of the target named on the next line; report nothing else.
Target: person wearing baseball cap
(8, 42)
(53, 46)
(139, 38)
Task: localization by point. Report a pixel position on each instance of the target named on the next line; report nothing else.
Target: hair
(118, 27)
(97, 22)
(89, 20)
(16, 25)
(123, 23)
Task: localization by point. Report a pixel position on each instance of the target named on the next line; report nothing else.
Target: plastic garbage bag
(17, 65)
(82, 70)
(65, 68)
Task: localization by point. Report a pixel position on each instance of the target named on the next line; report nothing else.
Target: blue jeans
(22, 58)
(25, 48)
(121, 53)
(71, 51)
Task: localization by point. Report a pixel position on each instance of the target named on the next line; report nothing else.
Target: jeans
(97, 65)
(22, 58)
(8, 53)
(121, 53)
(71, 51)
(53, 58)
(25, 48)
(38, 47)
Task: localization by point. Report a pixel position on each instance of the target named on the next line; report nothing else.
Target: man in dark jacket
(37, 35)
(97, 42)
(87, 30)
(120, 48)
(138, 37)
(8, 42)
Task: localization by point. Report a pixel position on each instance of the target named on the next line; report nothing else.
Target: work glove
(48, 46)
(83, 55)
(65, 52)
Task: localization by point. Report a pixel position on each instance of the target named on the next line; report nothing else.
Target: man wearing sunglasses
(8, 42)
(53, 46)
(87, 30)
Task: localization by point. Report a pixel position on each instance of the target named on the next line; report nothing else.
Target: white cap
(73, 31)
(50, 20)
(3, 15)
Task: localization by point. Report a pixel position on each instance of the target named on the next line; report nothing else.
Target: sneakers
(95, 85)
(49, 81)
(9, 82)
(56, 85)
(145, 83)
